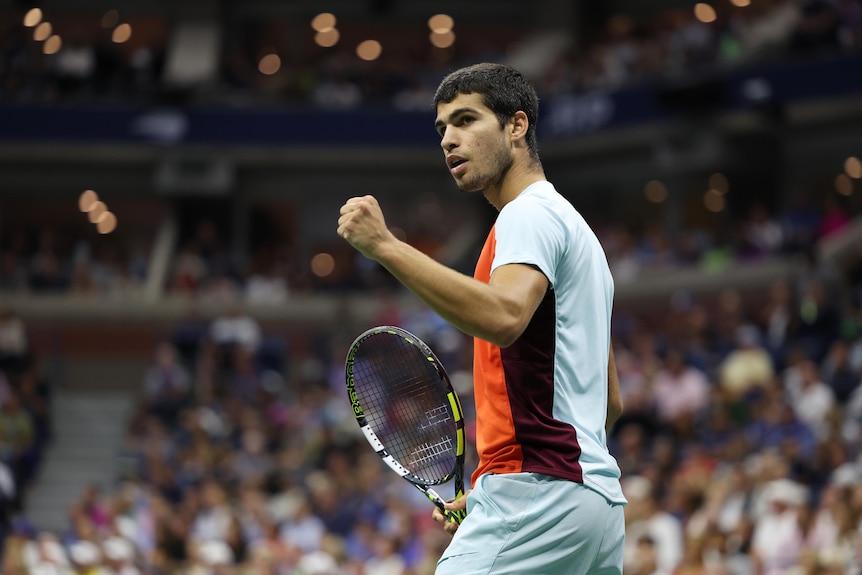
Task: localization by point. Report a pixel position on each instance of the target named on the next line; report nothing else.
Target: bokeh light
(269, 64)
(42, 31)
(52, 44)
(96, 210)
(844, 185)
(655, 191)
(122, 33)
(713, 201)
(327, 39)
(32, 17)
(440, 23)
(110, 18)
(87, 199)
(106, 223)
(442, 40)
(369, 50)
(704, 12)
(719, 183)
(323, 22)
(853, 167)
(741, 3)
(322, 264)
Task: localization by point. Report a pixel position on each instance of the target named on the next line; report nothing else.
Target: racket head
(404, 403)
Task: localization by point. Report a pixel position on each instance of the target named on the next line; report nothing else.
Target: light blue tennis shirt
(561, 430)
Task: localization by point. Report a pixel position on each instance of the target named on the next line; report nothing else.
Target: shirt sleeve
(530, 232)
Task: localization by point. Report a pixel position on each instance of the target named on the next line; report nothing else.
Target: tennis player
(546, 497)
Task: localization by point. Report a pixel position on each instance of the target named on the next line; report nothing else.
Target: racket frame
(421, 484)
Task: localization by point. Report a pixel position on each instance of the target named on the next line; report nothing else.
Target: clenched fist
(362, 224)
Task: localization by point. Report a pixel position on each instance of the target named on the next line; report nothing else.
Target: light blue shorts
(533, 524)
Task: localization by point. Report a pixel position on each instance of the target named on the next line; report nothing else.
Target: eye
(466, 120)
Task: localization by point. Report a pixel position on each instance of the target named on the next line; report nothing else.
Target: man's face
(476, 148)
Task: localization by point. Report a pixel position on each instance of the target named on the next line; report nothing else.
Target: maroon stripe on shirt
(549, 446)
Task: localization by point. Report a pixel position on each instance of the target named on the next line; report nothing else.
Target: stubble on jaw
(502, 163)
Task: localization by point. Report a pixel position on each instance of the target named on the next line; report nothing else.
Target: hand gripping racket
(406, 408)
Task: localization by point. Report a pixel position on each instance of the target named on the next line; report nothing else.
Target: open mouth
(453, 162)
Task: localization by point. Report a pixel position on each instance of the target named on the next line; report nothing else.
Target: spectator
(647, 521)
(336, 92)
(45, 554)
(778, 533)
(778, 318)
(14, 277)
(819, 320)
(766, 30)
(304, 529)
(14, 342)
(211, 557)
(835, 216)
(832, 537)
(8, 498)
(800, 221)
(213, 520)
(166, 385)
(47, 273)
(763, 234)
(851, 22)
(839, 374)
(643, 559)
(747, 368)
(680, 392)
(818, 27)
(119, 555)
(235, 328)
(17, 439)
(189, 271)
(811, 399)
(776, 426)
(85, 556)
(414, 97)
(267, 286)
(387, 559)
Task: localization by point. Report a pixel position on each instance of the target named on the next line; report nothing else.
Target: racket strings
(404, 401)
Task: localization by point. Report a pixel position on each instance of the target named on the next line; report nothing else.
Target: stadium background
(171, 389)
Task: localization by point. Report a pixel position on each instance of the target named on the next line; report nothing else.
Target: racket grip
(454, 516)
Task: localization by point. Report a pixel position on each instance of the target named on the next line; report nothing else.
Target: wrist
(386, 251)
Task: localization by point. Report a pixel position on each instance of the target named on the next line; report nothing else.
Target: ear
(518, 125)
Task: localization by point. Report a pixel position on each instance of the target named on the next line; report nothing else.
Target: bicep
(521, 287)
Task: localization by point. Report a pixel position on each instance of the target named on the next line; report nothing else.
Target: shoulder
(538, 202)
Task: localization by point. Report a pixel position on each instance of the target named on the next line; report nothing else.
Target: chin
(466, 186)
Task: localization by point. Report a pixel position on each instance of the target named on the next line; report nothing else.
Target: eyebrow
(454, 115)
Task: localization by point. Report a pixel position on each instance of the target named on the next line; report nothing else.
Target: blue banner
(562, 116)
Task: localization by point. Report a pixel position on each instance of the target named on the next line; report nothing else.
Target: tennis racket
(406, 408)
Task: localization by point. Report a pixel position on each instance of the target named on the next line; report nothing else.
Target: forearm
(615, 401)
(497, 311)
(468, 304)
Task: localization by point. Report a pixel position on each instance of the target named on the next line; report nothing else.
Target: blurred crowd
(54, 260)
(739, 447)
(90, 67)
(206, 267)
(677, 44)
(755, 234)
(25, 416)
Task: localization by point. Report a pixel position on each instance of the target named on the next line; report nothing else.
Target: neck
(520, 175)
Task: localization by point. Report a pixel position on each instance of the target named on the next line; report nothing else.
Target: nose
(447, 142)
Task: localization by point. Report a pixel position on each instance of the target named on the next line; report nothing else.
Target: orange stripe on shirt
(499, 450)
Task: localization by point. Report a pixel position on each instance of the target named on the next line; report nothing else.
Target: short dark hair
(504, 91)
